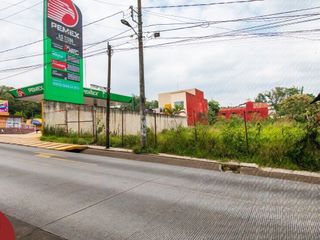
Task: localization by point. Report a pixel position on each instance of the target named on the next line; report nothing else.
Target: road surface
(79, 196)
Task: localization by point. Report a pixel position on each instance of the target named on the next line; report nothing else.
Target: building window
(179, 104)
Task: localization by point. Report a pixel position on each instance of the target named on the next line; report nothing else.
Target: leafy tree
(277, 95)
(135, 105)
(213, 110)
(296, 107)
(152, 105)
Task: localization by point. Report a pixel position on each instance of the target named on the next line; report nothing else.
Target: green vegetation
(135, 105)
(281, 144)
(174, 111)
(213, 110)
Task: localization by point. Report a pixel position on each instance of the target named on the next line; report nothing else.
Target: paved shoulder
(33, 140)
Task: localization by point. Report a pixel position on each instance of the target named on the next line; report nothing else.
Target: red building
(252, 111)
(193, 101)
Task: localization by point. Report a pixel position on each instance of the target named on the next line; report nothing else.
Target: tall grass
(284, 144)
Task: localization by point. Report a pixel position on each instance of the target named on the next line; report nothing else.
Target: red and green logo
(63, 11)
(6, 229)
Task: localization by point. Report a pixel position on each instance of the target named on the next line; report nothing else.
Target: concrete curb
(235, 167)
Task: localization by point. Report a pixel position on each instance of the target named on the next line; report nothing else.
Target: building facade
(193, 102)
(250, 111)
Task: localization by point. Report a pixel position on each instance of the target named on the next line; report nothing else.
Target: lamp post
(143, 122)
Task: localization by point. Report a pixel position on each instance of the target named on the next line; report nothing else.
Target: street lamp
(143, 121)
(126, 23)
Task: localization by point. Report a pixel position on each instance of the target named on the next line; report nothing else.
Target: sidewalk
(235, 167)
(33, 140)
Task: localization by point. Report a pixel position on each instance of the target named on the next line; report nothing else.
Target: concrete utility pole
(108, 98)
(143, 122)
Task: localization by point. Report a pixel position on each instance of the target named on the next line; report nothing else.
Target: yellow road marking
(60, 158)
(48, 154)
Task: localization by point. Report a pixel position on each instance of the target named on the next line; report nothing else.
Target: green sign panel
(63, 48)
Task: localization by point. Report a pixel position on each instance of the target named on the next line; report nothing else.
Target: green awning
(90, 93)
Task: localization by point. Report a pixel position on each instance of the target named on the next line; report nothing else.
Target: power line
(41, 65)
(12, 5)
(16, 13)
(23, 10)
(202, 4)
(20, 25)
(17, 74)
(20, 58)
(202, 24)
(259, 17)
(104, 18)
(42, 54)
(229, 33)
(111, 4)
(86, 25)
(19, 68)
(254, 28)
(91, 45)
(21, 46)
(236, 33)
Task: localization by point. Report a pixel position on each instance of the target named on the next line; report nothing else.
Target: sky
(229, 69)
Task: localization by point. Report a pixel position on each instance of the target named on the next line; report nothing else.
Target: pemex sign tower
(63, 52)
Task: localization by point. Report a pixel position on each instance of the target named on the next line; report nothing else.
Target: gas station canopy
(34, 93)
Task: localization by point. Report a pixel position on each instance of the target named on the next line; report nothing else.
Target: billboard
(4, 107)
(63, 52)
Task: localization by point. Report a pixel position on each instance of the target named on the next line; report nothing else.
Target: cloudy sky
(229, 65)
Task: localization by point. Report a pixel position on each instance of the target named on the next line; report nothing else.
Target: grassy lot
(281, 143)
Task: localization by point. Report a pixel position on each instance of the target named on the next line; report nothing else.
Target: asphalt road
(78, 196)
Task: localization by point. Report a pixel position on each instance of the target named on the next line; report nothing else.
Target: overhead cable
(12, 5)
(202, 4)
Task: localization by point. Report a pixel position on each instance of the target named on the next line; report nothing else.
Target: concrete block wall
(67, 116)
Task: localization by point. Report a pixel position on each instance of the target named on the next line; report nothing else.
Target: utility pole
(108, 98)
(143, 122)
(246, 129)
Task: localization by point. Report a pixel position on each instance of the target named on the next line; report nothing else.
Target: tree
(277, 95)
(213, 110)
(135, 104)
(297, 107)
(152, 105)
